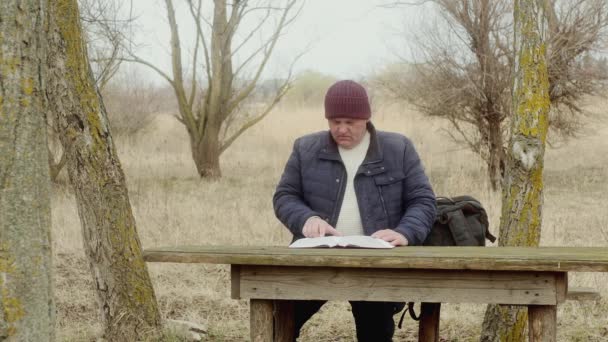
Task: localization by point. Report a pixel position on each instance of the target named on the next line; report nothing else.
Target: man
(354, 180)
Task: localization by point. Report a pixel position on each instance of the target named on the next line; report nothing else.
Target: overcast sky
(346, 38)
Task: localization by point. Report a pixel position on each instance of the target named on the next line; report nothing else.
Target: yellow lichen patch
(143, 296)
(12, 314)
(534, 100)
(13, 310)
(9, 65)
(68, 23)
(11, 306)
(36, 265)
(7, 263)
(517, 330)
(71, 133)
(519, 326)
(27, 86)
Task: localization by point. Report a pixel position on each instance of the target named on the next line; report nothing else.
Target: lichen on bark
(522, 197)
(125, 294)
(26, 286)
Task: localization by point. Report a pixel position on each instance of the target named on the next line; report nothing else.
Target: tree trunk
(523, 184)
(206, 152)
(27, 309)
(483, 52)
(124, 290)
(496, 157)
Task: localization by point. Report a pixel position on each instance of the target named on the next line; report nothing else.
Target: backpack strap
(410, 309)
(490, 237)
(462, 237)
(470, 201)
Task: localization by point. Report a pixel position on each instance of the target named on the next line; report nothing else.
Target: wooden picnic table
(271, 277)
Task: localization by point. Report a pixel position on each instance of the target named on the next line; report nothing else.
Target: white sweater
(349, 219)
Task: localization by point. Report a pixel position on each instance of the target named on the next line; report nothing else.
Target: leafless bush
(132, 102)
(309, 89)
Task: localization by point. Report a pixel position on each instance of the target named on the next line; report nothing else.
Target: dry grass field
(173, 206)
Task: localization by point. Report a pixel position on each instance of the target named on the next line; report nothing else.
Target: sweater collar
(330, 151)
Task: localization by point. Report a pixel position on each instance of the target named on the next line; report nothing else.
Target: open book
(354, 241)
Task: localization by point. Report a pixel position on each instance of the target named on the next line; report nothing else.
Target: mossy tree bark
(124, 290)
(523, 184)
(27, 310)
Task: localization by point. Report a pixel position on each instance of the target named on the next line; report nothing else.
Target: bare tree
(27, 309)
(465, 70)
(124, 290)
(522, 194)
(210, 104)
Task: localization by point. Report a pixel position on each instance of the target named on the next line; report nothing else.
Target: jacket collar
(329, 151)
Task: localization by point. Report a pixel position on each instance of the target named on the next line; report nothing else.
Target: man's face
(347, 133)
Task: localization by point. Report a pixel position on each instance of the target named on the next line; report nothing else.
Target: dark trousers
(373, 320)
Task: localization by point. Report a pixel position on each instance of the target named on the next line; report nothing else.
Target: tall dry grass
(173, 206)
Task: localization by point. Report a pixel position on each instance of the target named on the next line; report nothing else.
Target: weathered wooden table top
(552, 259)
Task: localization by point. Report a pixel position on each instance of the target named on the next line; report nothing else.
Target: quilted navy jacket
(391, 187)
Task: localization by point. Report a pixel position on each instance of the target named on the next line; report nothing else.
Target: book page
(361, 241)
(324, 241)
(354, 241)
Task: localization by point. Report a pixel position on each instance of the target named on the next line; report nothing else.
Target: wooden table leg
(271, 320)
(260, 321)
(284, 321)
(428, 328)
(542, 323)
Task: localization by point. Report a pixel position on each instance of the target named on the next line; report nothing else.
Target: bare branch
(196, 15)
(105, 33)
(249, 88)
(176, 59)
(253, 31)
(259, 118)
(135, 59)
(396, 4)
(283, 89)
(194, 58)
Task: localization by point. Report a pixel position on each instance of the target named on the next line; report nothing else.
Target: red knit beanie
(347, 99)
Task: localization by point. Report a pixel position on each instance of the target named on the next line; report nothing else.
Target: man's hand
(389, 235)
(315, 227)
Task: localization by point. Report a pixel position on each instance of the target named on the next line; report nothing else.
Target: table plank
(553, 259)
(396, 285)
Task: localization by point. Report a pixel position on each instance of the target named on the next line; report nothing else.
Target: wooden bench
(581, 294)
(271, 277)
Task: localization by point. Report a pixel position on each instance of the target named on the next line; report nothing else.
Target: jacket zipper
(343, 180)
(382, 201)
